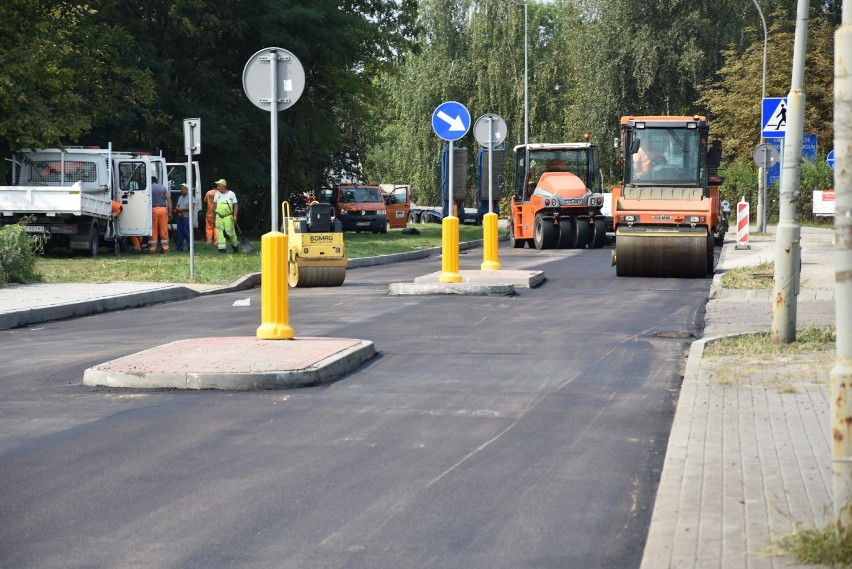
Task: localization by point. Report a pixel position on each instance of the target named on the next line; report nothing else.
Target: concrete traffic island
(473, 283)
(235, 363)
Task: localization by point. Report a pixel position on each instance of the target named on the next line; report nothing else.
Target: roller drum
(661, 252)
(303, 276)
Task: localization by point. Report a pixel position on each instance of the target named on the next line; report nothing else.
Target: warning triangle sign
(774, 118)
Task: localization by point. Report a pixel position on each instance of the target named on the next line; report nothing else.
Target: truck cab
(360, 207)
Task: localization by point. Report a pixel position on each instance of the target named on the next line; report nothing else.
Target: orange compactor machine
(666, 213)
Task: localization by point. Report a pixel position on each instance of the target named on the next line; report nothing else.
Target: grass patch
(820, 547)
(211, 267)
(810, 339)
(757, 277)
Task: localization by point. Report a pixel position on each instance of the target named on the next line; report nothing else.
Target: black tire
(413, 218)
(598, 234)
(710, 250)
(515, 243)
(566, 233)
(582, 232)
(544, 233)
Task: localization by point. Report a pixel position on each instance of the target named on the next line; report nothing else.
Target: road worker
(161, 207)
(226, 208)
(182, 213)
(210, 214)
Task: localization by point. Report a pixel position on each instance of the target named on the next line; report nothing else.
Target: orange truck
(359, 207)
(557, 197)
(666, 213)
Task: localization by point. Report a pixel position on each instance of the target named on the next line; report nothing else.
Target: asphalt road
(490, 432)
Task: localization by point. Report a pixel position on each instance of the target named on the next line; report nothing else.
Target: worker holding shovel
(226, 206)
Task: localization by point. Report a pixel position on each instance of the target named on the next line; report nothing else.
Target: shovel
(245, 244)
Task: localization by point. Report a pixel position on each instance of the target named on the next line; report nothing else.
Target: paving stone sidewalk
(749, 453)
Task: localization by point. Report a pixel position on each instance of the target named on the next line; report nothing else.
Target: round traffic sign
(289, 80)
(451, 120)
(830, 159)
(490, 130)
(765, 155)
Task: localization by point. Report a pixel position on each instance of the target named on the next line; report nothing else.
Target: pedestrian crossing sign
(774, 117)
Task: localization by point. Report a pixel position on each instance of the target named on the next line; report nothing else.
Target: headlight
(628, 218)
(344, 212)
(694, 219)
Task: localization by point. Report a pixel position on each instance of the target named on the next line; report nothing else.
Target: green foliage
(62, 71)
(17, 255)
(826, 546)
(808, 339)
(734, 94)
(741, 180)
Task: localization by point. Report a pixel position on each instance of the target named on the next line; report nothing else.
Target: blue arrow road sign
(830, 159)
(773, 119)
(451, 120)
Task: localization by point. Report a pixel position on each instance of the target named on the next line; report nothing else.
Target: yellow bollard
(489, 243)
(450, 250)
(274, 310)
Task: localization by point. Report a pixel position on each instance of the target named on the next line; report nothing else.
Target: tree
(733, 96)
(62, 71)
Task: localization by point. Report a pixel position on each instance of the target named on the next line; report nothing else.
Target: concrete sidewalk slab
(518, 279)
(462, 289)
(23, 305)
(235, 363)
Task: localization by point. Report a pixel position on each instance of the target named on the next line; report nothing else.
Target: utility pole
(840, 378)
(788, 252)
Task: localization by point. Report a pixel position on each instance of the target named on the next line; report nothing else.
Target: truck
(359, 207)
(66, 194)
(666, 212)
(557, 197)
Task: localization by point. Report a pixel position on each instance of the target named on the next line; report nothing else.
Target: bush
(17, 255)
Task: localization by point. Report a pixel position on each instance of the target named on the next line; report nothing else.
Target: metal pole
(273, 125)
(761, 195)
(490, 148)
(526, 78)
(840, 379)
(788, 239)
(192, 216)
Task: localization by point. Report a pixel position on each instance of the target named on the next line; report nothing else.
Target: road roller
(666, 212)
(316, 253)
(557, 197)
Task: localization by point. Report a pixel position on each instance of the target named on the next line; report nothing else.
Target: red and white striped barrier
(742, 224)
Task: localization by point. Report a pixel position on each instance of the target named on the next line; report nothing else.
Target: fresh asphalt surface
(491, 432)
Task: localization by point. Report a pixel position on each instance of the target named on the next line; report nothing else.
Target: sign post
(273, 80)
(765, 156)
(489, 130)
(192, 145)
(450, 121)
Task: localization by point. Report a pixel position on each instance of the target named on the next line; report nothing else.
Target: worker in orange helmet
(210, 214)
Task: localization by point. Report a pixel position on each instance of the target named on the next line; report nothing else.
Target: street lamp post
(761, 194)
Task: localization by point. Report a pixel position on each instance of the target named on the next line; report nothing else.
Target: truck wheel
(544, 233)
(413, 218)
(598, 234)
(566, 233)
(582, 233)
(513, 242)
(92, 250)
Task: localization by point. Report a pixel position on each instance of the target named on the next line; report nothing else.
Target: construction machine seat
(319, 218)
